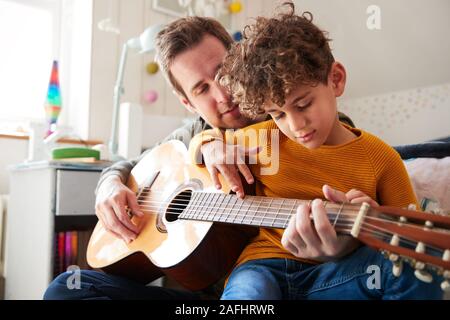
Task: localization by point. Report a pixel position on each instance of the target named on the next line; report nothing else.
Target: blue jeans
(96, 285)
(365, 274)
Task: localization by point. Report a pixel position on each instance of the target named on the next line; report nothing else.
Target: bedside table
(45, 197)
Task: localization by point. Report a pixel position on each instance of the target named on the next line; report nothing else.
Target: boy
(284, 67)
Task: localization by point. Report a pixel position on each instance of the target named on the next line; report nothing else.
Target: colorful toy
(235, 7)
(152, 68)
(237, 36)
(53, 102)
(151, 96)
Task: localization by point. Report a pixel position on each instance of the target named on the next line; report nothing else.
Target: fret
(242, 214)
(202, 206)
(254, 213)
(220, 206)
(293, 210)
(209, 207)
(205, 207)
(198, 206)
(228, 197)
(230, 206)
(248, 208)
(238, 211)
(278, 212)
(212, 215)
(203, 198)
(188, 210)
(269, 206)
(338, 214)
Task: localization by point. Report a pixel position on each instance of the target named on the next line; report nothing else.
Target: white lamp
(145, 43)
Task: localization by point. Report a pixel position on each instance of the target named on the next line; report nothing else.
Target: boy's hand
(228, 160)
(317, 239)
(112, 198)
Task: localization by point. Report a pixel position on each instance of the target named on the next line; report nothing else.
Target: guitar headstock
(418, 238)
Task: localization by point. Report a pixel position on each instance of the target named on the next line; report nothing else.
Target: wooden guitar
(193, 233)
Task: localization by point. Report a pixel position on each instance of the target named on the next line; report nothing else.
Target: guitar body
(196, 254)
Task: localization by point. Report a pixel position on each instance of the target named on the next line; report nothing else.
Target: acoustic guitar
(194, 233)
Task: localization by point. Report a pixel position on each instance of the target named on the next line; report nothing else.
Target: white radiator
(3, 207)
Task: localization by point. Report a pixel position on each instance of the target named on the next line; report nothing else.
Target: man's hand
(110, 207)
(317, 239)
(228, 160)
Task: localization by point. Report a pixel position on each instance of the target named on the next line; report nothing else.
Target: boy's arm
(199, 140)
(210, 149)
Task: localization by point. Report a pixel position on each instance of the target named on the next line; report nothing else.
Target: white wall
(132, 17)
(13, 151)
(409, 52)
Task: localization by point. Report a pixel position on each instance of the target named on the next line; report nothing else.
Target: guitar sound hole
(178, 204)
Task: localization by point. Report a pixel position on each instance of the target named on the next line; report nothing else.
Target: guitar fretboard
(256, 211)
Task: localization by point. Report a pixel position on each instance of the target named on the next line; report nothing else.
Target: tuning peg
(428, 225)
(397, 268)
(445, 285)
(395, 240)
(402, 220)
(421, 274)
(393, 257)
(446, 256)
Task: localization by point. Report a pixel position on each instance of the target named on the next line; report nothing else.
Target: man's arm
(113, 196)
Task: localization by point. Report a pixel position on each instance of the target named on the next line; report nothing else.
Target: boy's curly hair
(274, 57)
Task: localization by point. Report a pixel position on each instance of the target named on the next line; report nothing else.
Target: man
(190, 52)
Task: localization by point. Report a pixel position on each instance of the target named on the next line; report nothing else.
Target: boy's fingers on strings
(306, 230)
(244, 169)
(357, 196)
(291, 240)
(214, 174)
(323, 227)
(367, 199)
(334, 195)
(230, 173)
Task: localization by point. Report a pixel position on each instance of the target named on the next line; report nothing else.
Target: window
(32, 35)
(29, 33)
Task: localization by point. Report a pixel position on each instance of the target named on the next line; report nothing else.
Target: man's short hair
(183, 34)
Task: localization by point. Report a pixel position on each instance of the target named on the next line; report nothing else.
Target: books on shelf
(70, 249)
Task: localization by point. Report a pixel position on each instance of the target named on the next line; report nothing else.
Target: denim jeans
(95, 285)
(365, 274)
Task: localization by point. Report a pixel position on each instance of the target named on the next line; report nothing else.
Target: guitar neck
(260, 211)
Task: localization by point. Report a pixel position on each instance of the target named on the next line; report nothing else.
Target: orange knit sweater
(365, 163)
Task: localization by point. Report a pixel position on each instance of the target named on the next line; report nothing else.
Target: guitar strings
(371, 230)
(269, 211)
(280, 215)
(146, 191)
(385, 232)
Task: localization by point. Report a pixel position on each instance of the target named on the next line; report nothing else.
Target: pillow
(430, 178)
